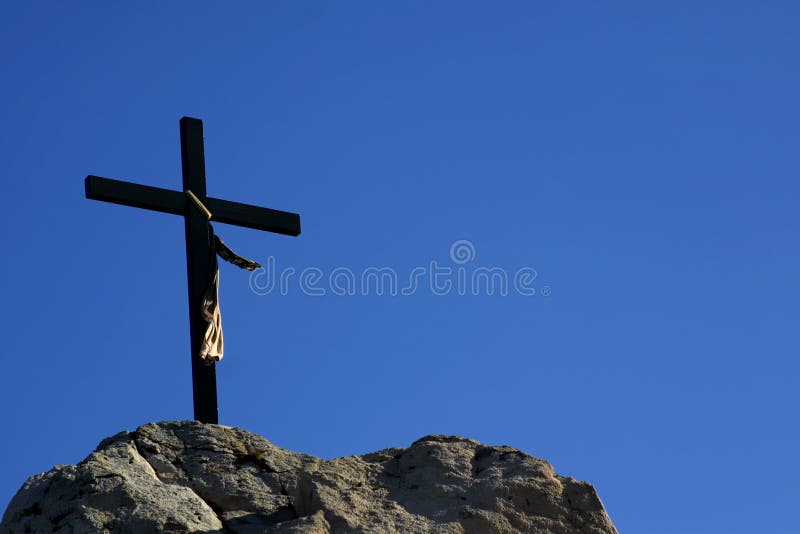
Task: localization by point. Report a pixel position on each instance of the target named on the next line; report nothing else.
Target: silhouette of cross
(199, 246)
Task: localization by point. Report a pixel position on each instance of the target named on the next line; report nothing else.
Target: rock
(191, 477)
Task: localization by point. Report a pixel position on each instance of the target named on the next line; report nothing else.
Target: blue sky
(642, 157)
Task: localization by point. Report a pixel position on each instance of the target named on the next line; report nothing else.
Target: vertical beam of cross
(199, 256)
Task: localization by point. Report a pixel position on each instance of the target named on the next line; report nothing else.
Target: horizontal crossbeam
(138, 196)
(177, 203)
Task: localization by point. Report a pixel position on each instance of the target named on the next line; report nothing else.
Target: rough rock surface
(191, 477)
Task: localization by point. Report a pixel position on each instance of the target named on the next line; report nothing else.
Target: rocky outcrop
(191, 477)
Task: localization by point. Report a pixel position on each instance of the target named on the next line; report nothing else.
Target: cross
(199, 252)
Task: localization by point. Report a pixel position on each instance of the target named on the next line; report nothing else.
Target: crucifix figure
(201, 244)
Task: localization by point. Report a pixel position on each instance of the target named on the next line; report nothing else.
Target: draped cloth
(212, 349)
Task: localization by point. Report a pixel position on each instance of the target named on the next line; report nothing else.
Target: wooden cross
(199, 248)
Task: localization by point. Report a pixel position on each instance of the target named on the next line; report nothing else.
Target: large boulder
(192, 477)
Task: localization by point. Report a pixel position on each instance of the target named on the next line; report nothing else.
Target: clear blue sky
(641, 156)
